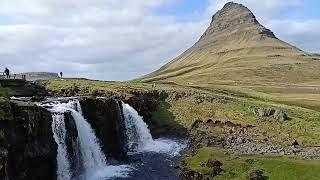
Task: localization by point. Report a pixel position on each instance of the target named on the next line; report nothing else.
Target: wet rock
(106, 118)
(37, 98)
(72, 142)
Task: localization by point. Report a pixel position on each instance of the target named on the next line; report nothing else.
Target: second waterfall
(140, 138)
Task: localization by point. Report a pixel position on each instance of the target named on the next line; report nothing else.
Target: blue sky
(181, 8)
(124, 39)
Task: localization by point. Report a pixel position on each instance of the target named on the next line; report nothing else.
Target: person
(7, 73)
(61, 74)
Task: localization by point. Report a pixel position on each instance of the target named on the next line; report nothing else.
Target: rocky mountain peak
(235, 17)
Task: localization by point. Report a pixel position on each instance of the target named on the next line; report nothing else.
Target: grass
(3, 92)
(165, 121)
(238, 167)
(303, 126)
(203, 103)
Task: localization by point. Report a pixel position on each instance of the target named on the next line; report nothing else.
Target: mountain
(237, 49)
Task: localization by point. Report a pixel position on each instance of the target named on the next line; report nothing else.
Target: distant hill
(33, 76)
(237, 49)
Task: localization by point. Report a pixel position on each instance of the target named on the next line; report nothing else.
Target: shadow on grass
(164, 123)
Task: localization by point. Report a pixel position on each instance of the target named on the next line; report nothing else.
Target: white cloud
(115, 39)
(101, 39)
(303, 34)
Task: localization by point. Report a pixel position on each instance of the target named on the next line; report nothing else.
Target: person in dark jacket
(7, 73)
(61, 74)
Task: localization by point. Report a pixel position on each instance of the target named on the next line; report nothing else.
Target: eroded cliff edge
(27, 146)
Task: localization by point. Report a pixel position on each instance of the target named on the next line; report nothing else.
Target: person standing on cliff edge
(61, 74)
(7, 73)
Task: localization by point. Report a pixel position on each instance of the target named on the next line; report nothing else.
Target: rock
(27, 146)
(146, 103)
(191, 175)
(274, 113)
(213, 163)
(256, 175)
(106, 118)
(295, 143)
(37, 98)
(72, 142)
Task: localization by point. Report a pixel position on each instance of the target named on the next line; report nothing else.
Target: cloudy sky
(124, 39)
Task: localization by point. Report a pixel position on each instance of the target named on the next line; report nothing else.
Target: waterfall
(91, 154)
(140, 138)
(138, 133)
(59, 134)
(92, 160)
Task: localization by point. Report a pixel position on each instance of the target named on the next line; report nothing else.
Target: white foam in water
(110, 172)
(93, 159)
(140, 138)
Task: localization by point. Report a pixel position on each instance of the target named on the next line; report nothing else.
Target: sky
(125, 39)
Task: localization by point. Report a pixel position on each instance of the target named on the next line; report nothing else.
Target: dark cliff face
(105, 117)
(145, 102)
(72, 143)
(235, 17)
(27, 146)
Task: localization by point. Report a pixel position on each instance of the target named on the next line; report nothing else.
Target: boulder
(275, 113)
(256, 175)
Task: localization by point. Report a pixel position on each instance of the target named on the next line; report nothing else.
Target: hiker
(61, 74)
(7, 73)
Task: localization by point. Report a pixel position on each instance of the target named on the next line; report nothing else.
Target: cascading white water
(138, 133)
(59, 130)
(91, 154)
(93, 160)
(140, 138)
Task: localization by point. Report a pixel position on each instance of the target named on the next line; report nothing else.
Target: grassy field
(219, 103)
(239, 167)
